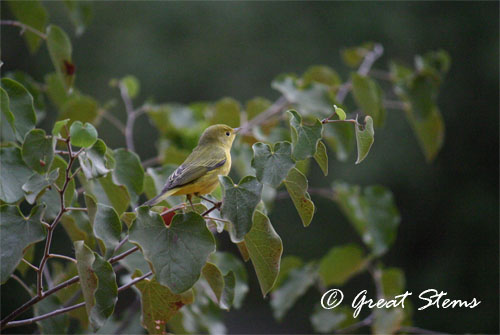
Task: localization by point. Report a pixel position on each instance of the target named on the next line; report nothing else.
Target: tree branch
(24, 27)
(274, 109)
(114, 121)
(131, 116)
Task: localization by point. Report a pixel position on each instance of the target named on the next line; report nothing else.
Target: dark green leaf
(129, 172)
(37, 183)
(177, 253)
(132, 85)
(79, 108)
(93, 161)
(60, 50)
(305, 138)
(21, 106)
(98, 283)
(80, 14)
(159, 304)
(8, 129)
(272, 165)
(14, 174)
(321, 157)
(313, 98)
(296, 185)
(33, 14)
(222, 285)
(54, 325)
(265, 249)
(238, 204)
(228, 263)
(82, 135)
(108, 193)
(226, 111)
(328, 320)
(18, 232)
(38, 150)
(34, 88)
(321, 74)
(155, 179)
(368, 97)
(29, 254)
(340, 137)
(296, 285)
(105, 223)
(78, 227)
(340, 264)
(364, 138)
(372, 212)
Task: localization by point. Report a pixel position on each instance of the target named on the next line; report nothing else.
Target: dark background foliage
(190, 51)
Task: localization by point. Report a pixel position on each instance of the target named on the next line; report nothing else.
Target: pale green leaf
(82, 135)
(364, 138)
(321, 157)
(340, 264)
(368, 96)
(60, 50)
(296, 185)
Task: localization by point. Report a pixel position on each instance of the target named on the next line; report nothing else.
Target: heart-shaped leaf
(128, 171)
(177, 253)
(238, 204)
(37, 183)
(93, 161)
(305, 138)
(272, 166)
(82, 135)
(38, 150)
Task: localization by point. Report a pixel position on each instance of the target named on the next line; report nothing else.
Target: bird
(199, 173)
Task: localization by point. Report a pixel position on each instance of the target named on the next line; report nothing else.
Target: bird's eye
(228, 133)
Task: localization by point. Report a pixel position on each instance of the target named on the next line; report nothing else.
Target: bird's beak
(236, 130)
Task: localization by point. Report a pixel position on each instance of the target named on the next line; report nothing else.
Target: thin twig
(23, 284)
(274, 109)
(122, 242)
(129, 126)
(23, 27)
(150, 161)
(82, 209)
(394, 104)
(114, 121)
(123, 255)
(62, 257)
(48, 277)
(208, 211)
(29, 264)
(173, 209)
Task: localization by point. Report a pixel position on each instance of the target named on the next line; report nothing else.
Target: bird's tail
(159, 197)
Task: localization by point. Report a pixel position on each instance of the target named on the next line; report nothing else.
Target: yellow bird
(199, 173)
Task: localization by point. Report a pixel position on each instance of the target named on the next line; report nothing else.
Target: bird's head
(220, 134)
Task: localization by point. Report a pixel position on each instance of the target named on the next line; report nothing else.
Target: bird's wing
(198, 163)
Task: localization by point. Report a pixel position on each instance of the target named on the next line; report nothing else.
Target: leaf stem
(23, 27)
(62, 257)
(30, 265)
(82, 209)
(123, 255)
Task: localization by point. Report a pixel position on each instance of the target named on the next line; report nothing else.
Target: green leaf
(321, 74)
(78, 227)
(98, 283)
(93, 161)
(8, 129)
(51, 197)
(80, 14)
(21, 106)
(177, 253)
(393, 282)
(256, 106)
(58, 126)
(354, 56)
(340, 112)
(298, 282)
(34, 88)
(340, 138)
(55, 89)
(132, 85)
(265, 249)
(159, 304)
(38, 183)
(296, 185)
(33, 14)
(105, 223)
(222, 285)
(228, 263)
(238, 204)
(364, 138)
(128, 171)
(328, 320)
(387, 321)
(155, 179)
(29, 254)
(321, 157)
(60, 50)
(18, 232)
(79, 108)
(372, 212)
(14, 174)
(82, 135)
(108, 193)
(340, 264)
(54, 325)
(305, 138)
(272, 165)
(226, 111)
(368, 96)
(312, 99)
(38, 150)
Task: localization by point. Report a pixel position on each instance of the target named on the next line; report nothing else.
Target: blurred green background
(191, 51)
